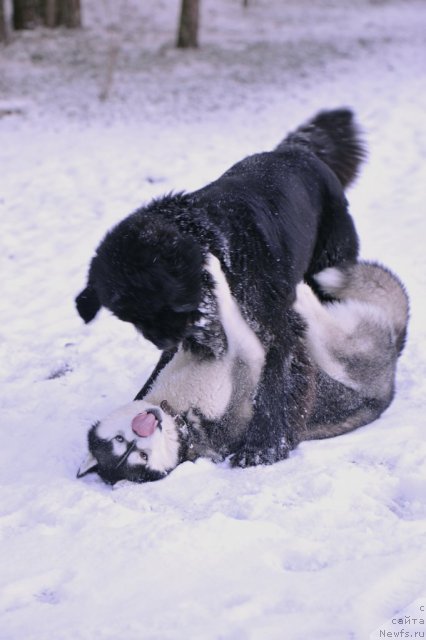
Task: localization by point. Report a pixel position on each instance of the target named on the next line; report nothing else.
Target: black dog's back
(270, 206)
(272, 219)
(286, 209)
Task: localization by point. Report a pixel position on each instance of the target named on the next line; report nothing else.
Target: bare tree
(27, 14)
(4, 24)
(65, 13)
(188, 24)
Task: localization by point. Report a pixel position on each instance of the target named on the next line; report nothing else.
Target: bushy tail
(335, 138)
(373, 284)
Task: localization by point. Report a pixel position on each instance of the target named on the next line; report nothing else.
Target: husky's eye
(119, 439)
(143, 456)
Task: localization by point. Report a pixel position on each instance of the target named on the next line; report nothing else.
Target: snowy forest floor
(328, 545)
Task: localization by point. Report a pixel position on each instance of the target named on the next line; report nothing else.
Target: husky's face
(138, 442)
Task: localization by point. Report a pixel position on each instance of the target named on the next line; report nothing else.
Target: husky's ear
(87, 303)
(87, 466)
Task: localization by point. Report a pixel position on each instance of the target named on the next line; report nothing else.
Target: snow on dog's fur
(271, 220)
(348, 359)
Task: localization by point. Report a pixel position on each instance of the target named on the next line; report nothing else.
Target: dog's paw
(306, 303)
(332, 280)
(251, 456)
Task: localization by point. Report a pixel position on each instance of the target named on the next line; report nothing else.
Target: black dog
(273, 219)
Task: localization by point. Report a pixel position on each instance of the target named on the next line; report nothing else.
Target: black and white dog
(269, 222)
(341, 377)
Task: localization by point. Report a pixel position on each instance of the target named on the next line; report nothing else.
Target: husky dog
(341, 377)
(271, 220)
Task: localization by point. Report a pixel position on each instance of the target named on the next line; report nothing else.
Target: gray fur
(372, 283)
(355, 343)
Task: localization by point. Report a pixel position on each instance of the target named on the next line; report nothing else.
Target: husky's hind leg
(355, 343)
(331, 335)
(376, 286)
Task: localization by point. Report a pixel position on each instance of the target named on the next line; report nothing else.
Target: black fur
(272, 219)
(333, 137)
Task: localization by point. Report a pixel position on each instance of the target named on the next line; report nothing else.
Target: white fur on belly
(207, 385)
(186, 383)
(242, 341)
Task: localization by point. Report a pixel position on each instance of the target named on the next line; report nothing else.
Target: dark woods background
(29, 14)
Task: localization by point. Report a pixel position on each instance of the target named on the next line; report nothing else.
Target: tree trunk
(58, 13)
(50, 13)
(69, 13)
(188, 25)
(26, 14)
(3, 24)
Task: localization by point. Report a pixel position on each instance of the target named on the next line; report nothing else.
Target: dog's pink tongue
(144, 424)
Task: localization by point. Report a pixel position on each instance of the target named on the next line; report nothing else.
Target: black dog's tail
(335, 138)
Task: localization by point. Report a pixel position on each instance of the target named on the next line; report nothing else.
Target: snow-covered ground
(329, 544)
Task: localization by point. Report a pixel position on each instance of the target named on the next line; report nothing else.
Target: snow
(329, 544)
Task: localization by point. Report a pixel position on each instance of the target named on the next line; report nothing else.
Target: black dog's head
(147, 273)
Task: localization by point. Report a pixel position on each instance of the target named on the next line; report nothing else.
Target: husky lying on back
(341, 377)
